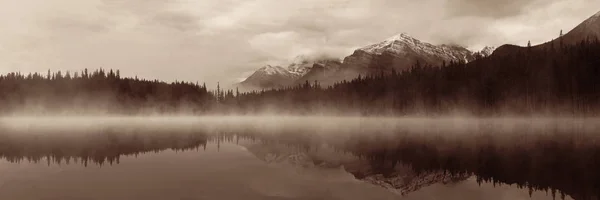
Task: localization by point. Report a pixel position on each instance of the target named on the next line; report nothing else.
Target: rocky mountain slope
(270, 77)
(300, 70)
(402, 51)
(399, 52)
(320, 71)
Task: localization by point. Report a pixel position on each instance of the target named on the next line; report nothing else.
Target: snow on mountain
(300, 68)
(277, 76)
(273, 70)
(487, 51)
(301, 65)
(321, 71)
(396, 53)
(399, 52)
(269, 77)
(403, 44)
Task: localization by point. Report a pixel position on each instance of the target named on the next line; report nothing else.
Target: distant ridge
(588, 29)
(398, 52)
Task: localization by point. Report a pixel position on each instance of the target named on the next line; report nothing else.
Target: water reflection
(557, 156)
(229, 173)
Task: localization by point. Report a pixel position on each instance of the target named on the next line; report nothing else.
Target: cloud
(178, 21)
(221, 40)
(76, 24)
(490, 8)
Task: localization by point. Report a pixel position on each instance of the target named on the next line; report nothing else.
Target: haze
(216, 40)
(277, 124)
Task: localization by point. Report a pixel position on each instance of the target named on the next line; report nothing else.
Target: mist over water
(399, 156)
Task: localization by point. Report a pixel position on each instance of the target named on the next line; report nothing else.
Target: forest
(98, 92)
(554, 80)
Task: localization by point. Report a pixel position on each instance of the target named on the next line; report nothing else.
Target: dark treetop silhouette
(558, 77)
(98, 92)
(553, 80)
(561, 79)
(549, 155)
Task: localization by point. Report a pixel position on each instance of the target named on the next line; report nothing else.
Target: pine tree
(218, 92)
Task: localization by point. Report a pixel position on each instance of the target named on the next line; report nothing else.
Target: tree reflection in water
(561, 158)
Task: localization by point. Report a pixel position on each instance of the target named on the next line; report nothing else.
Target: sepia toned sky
(225, 40)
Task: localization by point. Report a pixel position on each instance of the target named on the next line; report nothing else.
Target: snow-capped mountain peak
(269, 77)
(272, 70)
(400, 37)
(403, 45)
(276, 76)
(300, 68)
(395, 44)
(398, 52)
(486, 51)
(301, 65)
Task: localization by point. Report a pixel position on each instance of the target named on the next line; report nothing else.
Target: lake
(284, 157)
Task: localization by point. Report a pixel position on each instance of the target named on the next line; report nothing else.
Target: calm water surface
(266, 158)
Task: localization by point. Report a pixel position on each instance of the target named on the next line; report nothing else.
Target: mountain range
(300, 70)
(396, 53)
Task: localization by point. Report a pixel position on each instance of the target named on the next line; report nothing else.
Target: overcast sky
(224, 40)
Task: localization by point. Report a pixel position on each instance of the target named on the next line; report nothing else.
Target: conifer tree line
(556, 79)
(98, 92)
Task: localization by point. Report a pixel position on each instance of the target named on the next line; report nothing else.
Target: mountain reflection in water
(555, 156)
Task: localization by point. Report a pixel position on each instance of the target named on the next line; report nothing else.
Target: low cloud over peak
(220, 40)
